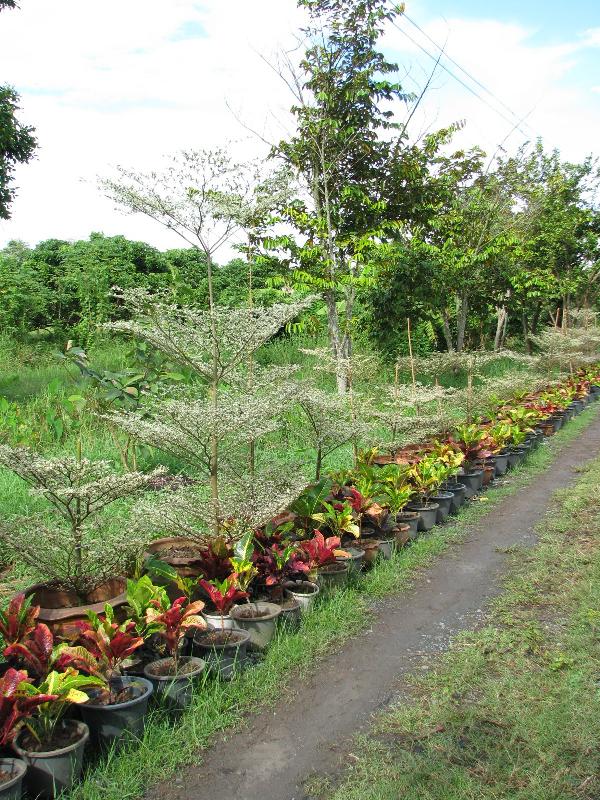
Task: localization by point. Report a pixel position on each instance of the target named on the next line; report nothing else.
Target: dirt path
(283, 746)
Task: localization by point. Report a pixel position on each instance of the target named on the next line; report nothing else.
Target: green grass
(169, 744)
(512, 710)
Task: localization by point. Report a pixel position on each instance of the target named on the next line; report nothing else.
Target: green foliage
(17, 145)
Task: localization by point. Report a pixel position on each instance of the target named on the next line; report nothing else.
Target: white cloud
(127, 81)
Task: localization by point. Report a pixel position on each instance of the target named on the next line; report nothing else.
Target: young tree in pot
(83, 561)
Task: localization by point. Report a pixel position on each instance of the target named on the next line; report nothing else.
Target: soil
(64, 735)
(5, 776)
(220, 637)
(288, 742)
(167, 668)
(189, 553)
(289, 602)
(249, 612)
(297, 589)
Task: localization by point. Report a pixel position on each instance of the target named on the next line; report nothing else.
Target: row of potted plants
(205, 608)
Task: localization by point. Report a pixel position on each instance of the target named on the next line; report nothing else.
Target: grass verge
(511, 711)
(169, 744)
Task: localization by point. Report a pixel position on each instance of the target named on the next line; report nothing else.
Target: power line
(466, 72)
(462, 83)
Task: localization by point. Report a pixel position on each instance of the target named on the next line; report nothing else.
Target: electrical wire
(462, 83)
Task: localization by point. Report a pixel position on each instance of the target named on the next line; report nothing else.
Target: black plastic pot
(501, 463)
(458, 496)
(12, 788)
(410, 518)
(175, 691)
(223, 659)
(109, 724)
(472, 481)
(516, 456)
(291, 612)
(50, 773)
(355, 559)
(444, 501)
(427, 514)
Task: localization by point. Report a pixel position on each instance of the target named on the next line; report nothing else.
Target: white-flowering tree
(330, 422)
(215, 423)
(81, 548)
(568, 348)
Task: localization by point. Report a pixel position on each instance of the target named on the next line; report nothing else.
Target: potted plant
(142, 594)
(470, 440)
(52, 745)
(425, 477)
(173, 676)
(16, 705)
(104, 649)
(324, 569)
(395, 491)
(84, 567)
(222, 645)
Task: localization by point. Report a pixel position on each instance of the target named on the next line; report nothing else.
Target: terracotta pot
(61, 610)
(185, 565)
(371, 549)
(402, 533)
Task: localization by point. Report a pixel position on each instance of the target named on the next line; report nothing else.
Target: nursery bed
(289, 741)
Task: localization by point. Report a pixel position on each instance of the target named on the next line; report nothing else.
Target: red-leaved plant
(17, 704)
(35, 650)
(320, 551)
(277, 563)
(223, 594)
(102, 650)
(19, 619)
(172, 624)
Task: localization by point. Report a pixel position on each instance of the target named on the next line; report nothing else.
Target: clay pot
(370, 548)
(410, 518)
(355, 559)
(222, 658)
(402, 533)
(184, 564)
(11, 788)
(61, 610)
(261, 628)
(332, 576)
(305, 593)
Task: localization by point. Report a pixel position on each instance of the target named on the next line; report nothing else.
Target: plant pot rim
(272, 609)
(14, 762)
(367, 544)
(29, 755)
(458, 487)
(210, 615)
(200, 664)
(425, 506)
(67, 612)
(156, 545)
(333, 568)
(410, 514)
(241, 635)
(145, 684)
(291, 585)
(442, 495)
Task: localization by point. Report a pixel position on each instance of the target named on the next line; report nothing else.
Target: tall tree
(17, 143)
(342, 150)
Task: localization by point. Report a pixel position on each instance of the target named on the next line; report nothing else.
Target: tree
(342, 152)
(17, 143)
(17, 146)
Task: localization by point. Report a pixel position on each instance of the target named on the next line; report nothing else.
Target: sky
(131, 81)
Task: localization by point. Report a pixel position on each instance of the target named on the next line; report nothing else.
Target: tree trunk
(447, 331)
(339, 343)
(500, 326)
(462, 321)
